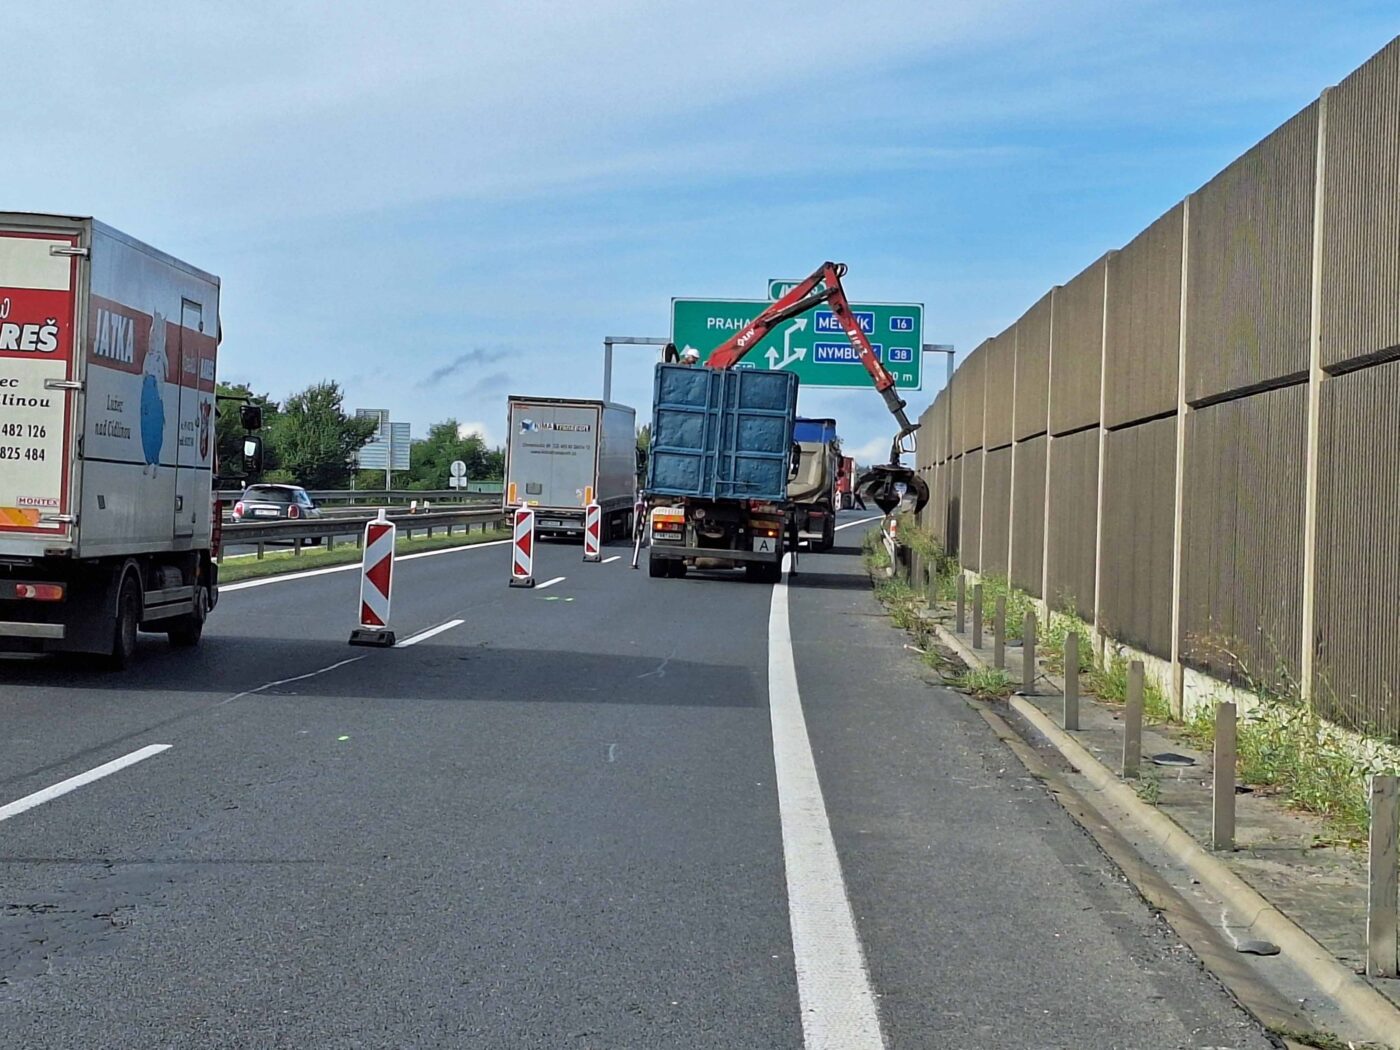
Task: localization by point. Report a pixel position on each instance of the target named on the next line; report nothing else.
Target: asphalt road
(587, 815)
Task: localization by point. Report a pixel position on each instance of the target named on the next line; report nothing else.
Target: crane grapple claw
(880, 484)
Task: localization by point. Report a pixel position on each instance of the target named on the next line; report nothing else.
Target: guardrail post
(1382, 923)
(999, 634)
(296, 546)
(962, 603)
(1072, 681)
(1222, 808)
(976, 616)
(1028, 655)
(1132, 721)
(261, 548)
(330, 541)
(359, 540)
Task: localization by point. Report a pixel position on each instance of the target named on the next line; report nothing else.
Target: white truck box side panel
(148, 438)
(38, 345)
(617, 459)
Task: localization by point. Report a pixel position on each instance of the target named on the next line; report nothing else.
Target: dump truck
(564, 453)
(812, 493)
(108, 359)
(720, 462)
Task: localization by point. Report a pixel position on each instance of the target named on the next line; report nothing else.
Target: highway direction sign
(811, 344)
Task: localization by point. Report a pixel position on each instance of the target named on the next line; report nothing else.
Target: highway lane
(553, 824)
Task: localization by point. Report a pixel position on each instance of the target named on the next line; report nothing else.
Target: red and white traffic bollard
(593, 533)
(522, 550)
(376, 584)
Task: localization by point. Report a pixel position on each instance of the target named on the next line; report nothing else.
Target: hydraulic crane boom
(824, 286)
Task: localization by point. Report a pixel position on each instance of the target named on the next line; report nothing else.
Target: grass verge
(274, 564)
(985, 683)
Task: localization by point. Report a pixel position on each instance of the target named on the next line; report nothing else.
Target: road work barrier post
(1382, 922)
(962, 604)
(1072, 681)
(976, 616)
(1132, 722)
(376, 584)
(1028, 655)
(593, 533)
(999, 634)
(522, 549)
(1222, 810)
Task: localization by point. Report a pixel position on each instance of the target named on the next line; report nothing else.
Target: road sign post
(522, 549)
(593, 533)
(812, 344)
(376, 584)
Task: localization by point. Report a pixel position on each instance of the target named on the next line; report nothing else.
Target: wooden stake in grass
(1132, 721)
(1072, 681)
(1382, 924)
(999, 634)
(1222, 823)
(1028, 655)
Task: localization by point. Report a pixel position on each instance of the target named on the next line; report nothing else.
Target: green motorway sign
(811, 344)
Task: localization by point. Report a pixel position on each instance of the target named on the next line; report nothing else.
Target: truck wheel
(185, 631)
(658, 568)
(829, 534)
(124, 629)
(677, 569)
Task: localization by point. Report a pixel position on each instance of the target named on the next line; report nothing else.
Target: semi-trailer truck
(108, 354)
(564, 453)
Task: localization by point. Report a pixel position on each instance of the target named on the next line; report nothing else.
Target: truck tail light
(759, 506)
(39, 592)
(764, 528)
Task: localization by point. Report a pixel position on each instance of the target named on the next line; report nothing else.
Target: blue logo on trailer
(827, 324)
(901, 355)
(842, 353)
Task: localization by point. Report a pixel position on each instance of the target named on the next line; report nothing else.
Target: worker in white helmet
(690, 357)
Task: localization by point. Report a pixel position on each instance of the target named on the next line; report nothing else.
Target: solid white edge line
(833, 984)
(423, 636)
(550, 583)
(853, 524)
(353, 566)
(47, 794)
(614, 558)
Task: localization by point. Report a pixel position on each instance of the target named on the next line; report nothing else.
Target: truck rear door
(553, 453)
(38, 322)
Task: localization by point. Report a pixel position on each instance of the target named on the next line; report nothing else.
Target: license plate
(265, 513)
(551, 524)
(765, 545)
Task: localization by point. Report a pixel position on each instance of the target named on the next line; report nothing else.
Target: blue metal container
(819, 430)
(721, 434)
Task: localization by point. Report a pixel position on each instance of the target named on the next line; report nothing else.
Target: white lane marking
(838, 1005)
(614, 558)
(72, 783)
(853, 524)
(550, 583)
(354, 566)
(287, 681)
(423, 636)
(612, 752)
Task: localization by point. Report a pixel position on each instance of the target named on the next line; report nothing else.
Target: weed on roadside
(1149, 787)
(985, 683)
(1060, 627)
(1109, 683)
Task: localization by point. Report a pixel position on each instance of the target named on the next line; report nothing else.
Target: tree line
(310, 440)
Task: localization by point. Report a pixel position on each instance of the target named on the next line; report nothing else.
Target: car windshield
(270, 494)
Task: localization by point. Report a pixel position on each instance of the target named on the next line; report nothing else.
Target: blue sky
(438, 204)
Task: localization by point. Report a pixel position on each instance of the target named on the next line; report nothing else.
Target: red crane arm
(823, 286)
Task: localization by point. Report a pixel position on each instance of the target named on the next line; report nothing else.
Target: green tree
(430, 460)
(312, 438)
(644, 437)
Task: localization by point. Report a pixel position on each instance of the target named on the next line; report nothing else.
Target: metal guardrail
(374, 496)
(299, 532)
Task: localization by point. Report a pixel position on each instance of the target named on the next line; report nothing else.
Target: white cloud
(465, 430)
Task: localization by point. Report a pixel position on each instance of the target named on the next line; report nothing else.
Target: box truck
(813, 491)
(717, 477)
(107, 391)
(562, 454)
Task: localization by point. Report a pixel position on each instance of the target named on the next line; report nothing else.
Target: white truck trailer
(563, 453)
(107, 394)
